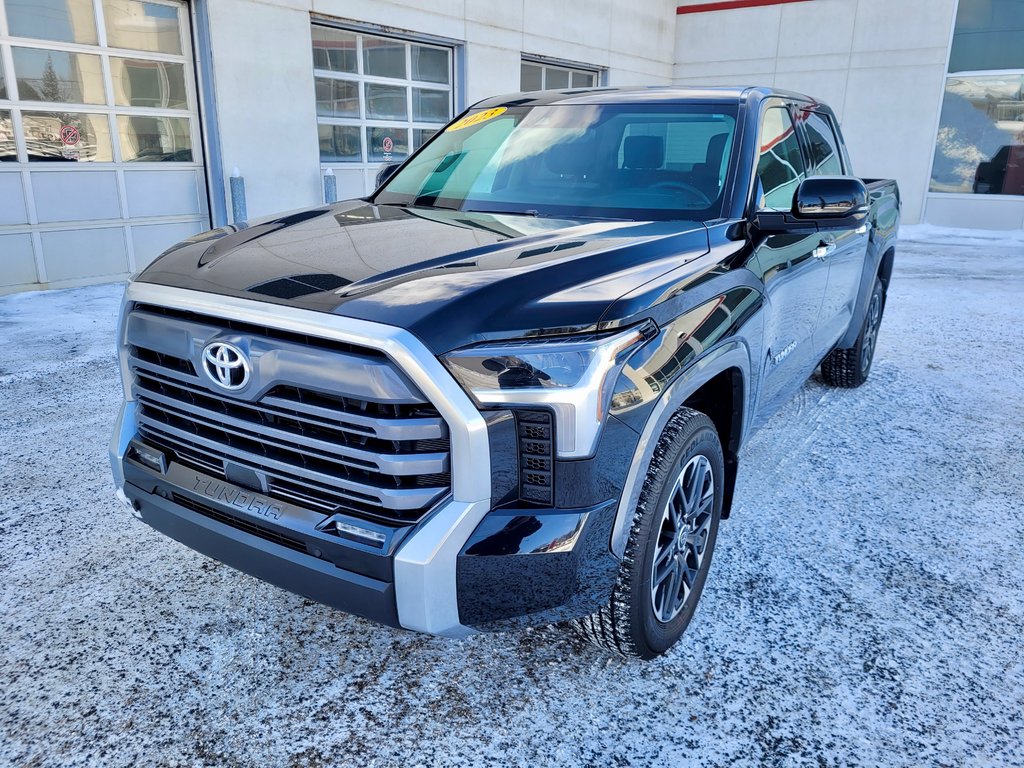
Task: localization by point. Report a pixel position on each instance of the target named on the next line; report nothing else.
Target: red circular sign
(388, 144)
(69, 135)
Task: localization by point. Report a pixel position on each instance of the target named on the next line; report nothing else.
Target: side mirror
(820, 202)
(831, 197)
(386, 173)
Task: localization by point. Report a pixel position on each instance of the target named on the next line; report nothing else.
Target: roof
(662, 94)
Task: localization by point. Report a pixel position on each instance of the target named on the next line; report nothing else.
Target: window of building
(780, 167)
(989, 35)
(536, 76)
(68, 21)
(146, 83)
(58, 76)
(142, 26)
(826, 159)
(979, 148)
(377, 99)
(48, 137)
(980, 145)
(71, 114)
(8, 151)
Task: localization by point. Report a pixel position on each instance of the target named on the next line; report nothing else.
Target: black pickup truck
(511, 386)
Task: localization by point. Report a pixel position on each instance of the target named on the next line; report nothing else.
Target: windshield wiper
(538, 215)
(415, 204)
(531, 212)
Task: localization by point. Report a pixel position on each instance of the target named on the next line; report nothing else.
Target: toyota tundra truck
(512, 386)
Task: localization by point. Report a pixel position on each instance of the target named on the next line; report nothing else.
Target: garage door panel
(12, 209)
(101, 164)
(351, 182)
(75, 195)
(17, 263)
(163, 193)
(81, 253)
(151, 240)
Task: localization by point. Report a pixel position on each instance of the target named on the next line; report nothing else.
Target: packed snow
(865, 606)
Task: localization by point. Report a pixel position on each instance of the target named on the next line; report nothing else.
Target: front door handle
(823, 250)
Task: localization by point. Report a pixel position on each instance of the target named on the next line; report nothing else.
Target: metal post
(238, 212)
(330, 186)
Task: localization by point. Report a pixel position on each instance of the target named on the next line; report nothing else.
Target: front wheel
(850, 367)
(672, 538)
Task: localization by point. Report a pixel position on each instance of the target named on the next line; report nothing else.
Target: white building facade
(121, 121)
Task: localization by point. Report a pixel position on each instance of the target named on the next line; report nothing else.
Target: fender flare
(867, 285)
(732, 353)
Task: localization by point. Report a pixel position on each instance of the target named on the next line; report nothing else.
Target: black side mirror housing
(820, 203)
(386, 173)
(830, 197)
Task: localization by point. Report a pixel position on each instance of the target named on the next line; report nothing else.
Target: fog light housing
(151, 458)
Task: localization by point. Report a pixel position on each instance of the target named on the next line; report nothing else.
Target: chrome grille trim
(391, 464)
(417, 428)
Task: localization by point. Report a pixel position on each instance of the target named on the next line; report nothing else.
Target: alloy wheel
(874, 320)
(682, 538)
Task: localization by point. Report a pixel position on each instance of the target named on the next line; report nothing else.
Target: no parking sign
(69, 135)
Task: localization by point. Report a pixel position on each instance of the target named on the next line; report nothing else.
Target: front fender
(732, 353)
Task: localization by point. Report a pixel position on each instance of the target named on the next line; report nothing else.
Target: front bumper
(516, 568)
(297, 572)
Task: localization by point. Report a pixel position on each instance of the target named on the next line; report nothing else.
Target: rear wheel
(672, 538)
(850, 367)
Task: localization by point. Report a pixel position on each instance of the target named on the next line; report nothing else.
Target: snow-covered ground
(866, 604)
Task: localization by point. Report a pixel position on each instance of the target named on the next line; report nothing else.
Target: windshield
(635, 161)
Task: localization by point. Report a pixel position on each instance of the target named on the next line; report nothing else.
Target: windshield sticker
(476, 119)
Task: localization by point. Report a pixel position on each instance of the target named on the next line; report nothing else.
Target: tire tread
(841, 367)
(611, 626)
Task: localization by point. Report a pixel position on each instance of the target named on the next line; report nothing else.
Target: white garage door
(100, 154)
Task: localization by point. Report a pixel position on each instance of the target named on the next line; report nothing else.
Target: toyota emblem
(226, 365)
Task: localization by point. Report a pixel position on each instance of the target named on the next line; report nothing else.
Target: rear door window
(826, 159)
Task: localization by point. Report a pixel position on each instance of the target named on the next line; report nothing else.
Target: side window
(780, 167)
(822, 144)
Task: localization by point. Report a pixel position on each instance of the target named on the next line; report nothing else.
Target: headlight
(573, 377)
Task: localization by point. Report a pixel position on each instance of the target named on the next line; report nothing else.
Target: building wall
(879, 64)
(263, 71)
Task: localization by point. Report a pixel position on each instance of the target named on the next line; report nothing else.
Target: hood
(450, 277)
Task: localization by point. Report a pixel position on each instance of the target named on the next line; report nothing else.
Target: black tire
(630, 624)
(849, 368)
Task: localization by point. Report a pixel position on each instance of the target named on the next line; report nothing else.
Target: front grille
(383, 461)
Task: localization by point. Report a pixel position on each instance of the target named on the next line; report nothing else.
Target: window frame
(362, 121)
(572, 67)
(806, 142)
